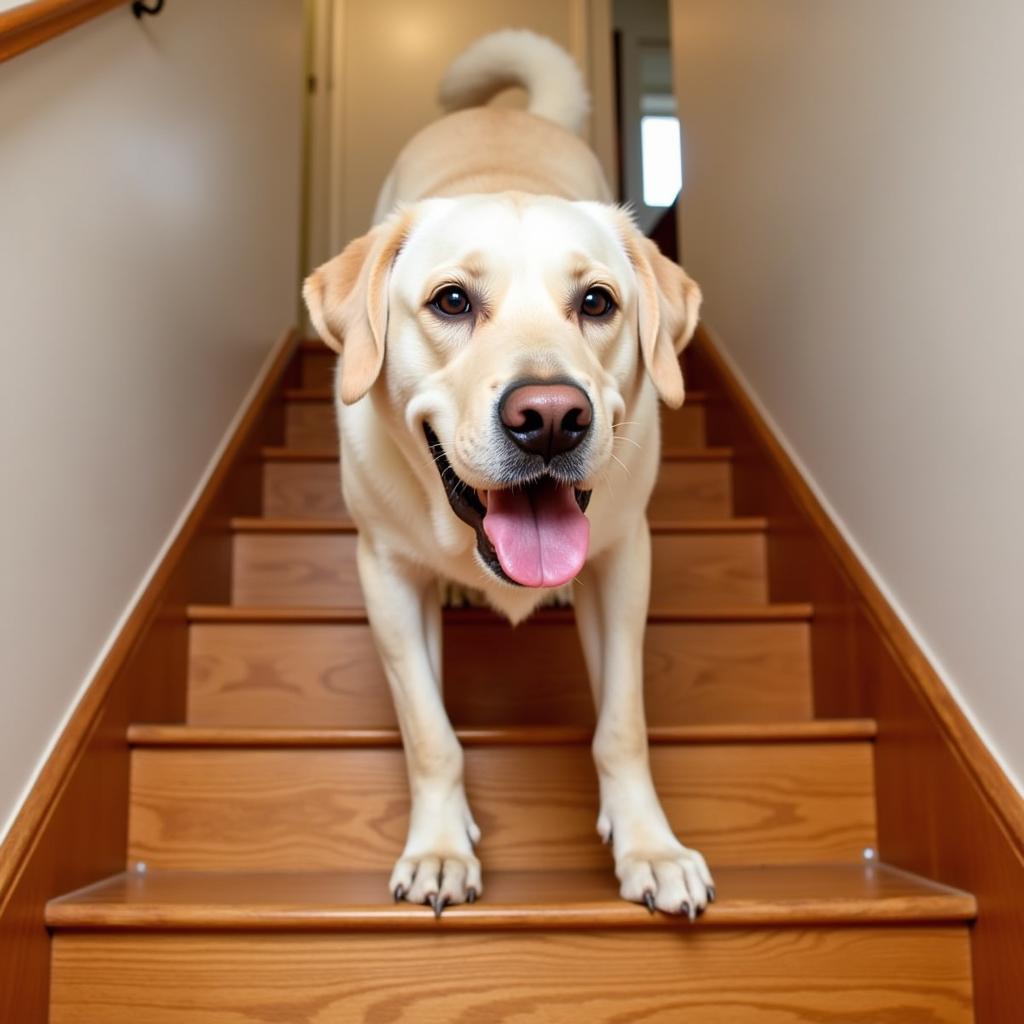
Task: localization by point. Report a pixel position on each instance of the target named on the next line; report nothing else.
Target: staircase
(262, 828)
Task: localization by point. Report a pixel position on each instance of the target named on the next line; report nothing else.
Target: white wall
(388, 58)
(642, 25)
(149, 224)
(854, 210)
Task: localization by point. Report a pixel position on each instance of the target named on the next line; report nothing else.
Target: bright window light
(662, 159)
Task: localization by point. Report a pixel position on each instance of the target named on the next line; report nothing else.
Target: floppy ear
(347, 298)
(669, 308)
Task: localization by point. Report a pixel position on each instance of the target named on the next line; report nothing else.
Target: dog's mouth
(534, 534)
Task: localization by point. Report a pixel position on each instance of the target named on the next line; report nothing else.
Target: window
(662, 159)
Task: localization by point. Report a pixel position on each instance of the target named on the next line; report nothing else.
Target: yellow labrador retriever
(505, 334)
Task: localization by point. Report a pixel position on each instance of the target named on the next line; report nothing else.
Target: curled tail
(519, 57)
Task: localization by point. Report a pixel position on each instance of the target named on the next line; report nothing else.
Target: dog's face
(511, 333)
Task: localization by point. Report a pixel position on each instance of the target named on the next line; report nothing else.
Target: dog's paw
(437, 879)
(673, 878)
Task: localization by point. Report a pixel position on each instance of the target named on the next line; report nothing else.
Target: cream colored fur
(517, 205)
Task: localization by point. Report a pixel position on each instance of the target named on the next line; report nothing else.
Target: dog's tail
(519, 57)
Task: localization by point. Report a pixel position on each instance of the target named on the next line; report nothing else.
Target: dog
(505, 334)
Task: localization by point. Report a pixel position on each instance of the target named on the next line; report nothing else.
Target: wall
(854, 210)
(642, 26)
(388, 59)
(149, 222)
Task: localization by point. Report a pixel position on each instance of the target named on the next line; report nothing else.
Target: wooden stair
(262, 828)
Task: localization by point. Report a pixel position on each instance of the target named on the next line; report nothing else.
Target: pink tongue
(540, 535)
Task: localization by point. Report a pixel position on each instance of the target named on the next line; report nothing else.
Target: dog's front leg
(438, 865)
(652, 866)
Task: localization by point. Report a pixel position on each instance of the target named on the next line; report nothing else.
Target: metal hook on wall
(139, 8)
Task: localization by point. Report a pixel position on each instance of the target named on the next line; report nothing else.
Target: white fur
(516, 204)
(519, 57)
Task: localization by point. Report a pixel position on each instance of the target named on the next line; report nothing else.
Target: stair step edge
(269, 524)
(284, 453)
(850, 730)
(813, 895)
(326, 394)
(226, 613)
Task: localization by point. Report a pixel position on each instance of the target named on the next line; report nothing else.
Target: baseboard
(946, 809)
(72, 827)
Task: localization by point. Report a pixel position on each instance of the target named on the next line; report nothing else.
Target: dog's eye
(451, 301)
(597, 302)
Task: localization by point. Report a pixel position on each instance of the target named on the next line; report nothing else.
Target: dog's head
(509, 334)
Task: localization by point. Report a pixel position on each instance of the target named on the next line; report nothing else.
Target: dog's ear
(347, 298)
(669, 308)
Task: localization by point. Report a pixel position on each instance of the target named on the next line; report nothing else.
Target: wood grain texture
(346, 809)
(684, 428)
(749, 897)
(296, 673)
(692, 567)
(310, 424)
(32, 24)
(471, 615)
(317, 365)
(177, 735)
(706, 454)
(73, 825)
(311, 489)
(698, 489)
(852, 975)
(303, 490)
(945, 807)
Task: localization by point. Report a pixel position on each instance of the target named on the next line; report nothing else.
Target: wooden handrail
(25, 27)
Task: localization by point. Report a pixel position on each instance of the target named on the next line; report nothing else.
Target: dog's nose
(546, 419)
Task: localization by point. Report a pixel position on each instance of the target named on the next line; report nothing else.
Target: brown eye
(597, 303)
(451, 301)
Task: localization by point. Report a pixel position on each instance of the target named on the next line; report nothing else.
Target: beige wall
(854, 209)
(388, 58)
(149, 193)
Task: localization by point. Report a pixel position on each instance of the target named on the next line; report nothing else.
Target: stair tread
(813, 731)
(283, 453)
(854, 893)
(226, 613)
(267, 524)
(326, 394)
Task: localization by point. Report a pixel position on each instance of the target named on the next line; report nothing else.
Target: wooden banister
(31, 24)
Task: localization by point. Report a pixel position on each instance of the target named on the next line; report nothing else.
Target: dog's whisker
(629, 440)
(621, 463)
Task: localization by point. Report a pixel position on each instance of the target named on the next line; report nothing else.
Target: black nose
(546, 419)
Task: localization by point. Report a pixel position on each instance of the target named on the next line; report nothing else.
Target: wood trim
(837, 730)
(280, 453)
(978, 761)
(326, 394)
(546, 616)
(263, 524)
(72, 828)
(830, 895)
(945, 808)
(32, 24)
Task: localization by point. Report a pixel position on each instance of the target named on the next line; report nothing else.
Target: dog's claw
(399, 893)
(437, 903)
(471, 895)
(649, 900)
(711, 894)
(686, 909)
